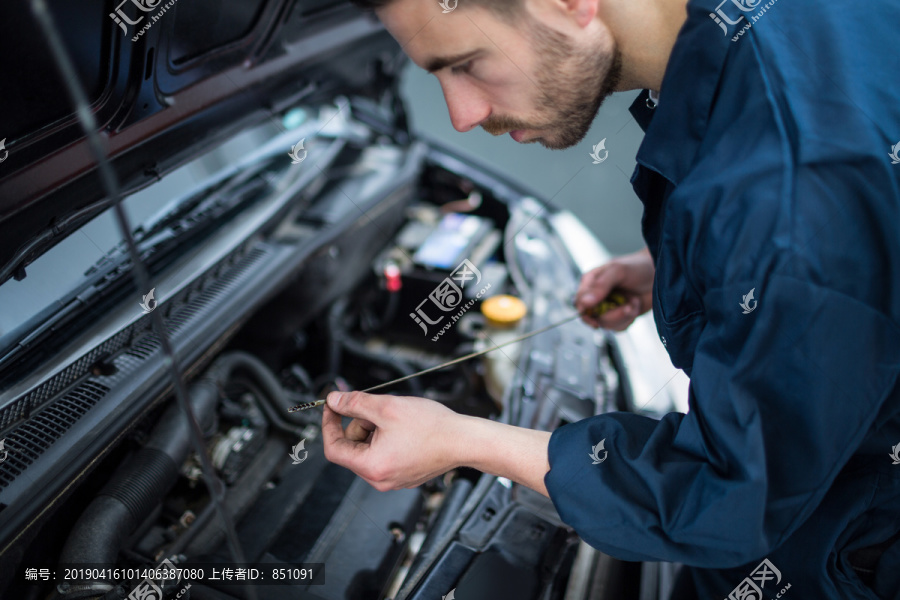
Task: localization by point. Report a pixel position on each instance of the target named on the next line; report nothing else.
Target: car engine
(378, 269)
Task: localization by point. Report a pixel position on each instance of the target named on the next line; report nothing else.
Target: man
(765, 167)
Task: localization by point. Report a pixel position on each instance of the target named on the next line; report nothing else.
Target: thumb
(594, 289)
(633, 307)
(358, 405)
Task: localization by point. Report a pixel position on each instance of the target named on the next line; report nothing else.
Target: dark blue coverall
(765, 166)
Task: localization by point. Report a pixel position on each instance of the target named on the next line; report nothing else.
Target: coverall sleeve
(779, 400)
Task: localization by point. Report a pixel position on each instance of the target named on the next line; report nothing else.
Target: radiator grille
(40, 427)
(26, 443)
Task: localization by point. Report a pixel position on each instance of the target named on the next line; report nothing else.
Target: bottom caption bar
(168, 574)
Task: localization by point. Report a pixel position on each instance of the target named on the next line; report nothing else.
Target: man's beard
(572, 85)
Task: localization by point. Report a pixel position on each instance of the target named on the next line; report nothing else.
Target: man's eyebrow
(439, 62)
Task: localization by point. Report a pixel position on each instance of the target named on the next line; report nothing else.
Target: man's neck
(645, 31)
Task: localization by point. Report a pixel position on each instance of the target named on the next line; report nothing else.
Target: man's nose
(468, 108)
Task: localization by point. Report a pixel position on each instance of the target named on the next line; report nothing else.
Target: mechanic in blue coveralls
(771, 163)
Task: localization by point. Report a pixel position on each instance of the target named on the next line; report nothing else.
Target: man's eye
(462, 68)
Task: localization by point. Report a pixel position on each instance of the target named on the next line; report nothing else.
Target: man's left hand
(398, 442)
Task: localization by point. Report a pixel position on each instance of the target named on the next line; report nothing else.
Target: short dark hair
(508, 10)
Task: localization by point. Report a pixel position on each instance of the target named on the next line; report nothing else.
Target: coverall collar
(674, 133)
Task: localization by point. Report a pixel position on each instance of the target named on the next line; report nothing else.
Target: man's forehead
(432, 38)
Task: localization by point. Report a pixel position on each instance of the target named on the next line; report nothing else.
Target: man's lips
(517, 135)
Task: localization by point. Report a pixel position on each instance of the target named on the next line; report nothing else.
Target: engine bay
(381, 286)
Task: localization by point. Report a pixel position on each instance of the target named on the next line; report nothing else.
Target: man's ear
(580, 12)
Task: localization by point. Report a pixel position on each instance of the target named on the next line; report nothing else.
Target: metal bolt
(398, 534)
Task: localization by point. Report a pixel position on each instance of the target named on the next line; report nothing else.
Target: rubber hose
(401, 366)
(274, 402)
(136, 487)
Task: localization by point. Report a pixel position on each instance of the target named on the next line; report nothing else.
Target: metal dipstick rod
(612, 301)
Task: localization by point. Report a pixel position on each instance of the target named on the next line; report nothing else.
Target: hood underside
(165, 81)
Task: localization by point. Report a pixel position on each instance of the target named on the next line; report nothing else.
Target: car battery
(447, 267)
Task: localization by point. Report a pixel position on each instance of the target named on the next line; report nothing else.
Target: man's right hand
(632, 276)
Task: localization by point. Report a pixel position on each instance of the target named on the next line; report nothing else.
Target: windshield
(62, 270)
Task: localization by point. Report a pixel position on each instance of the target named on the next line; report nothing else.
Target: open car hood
(166, 80)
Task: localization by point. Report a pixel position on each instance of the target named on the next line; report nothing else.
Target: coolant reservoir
(502, 314)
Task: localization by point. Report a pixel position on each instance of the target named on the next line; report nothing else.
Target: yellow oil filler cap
(503, 311)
